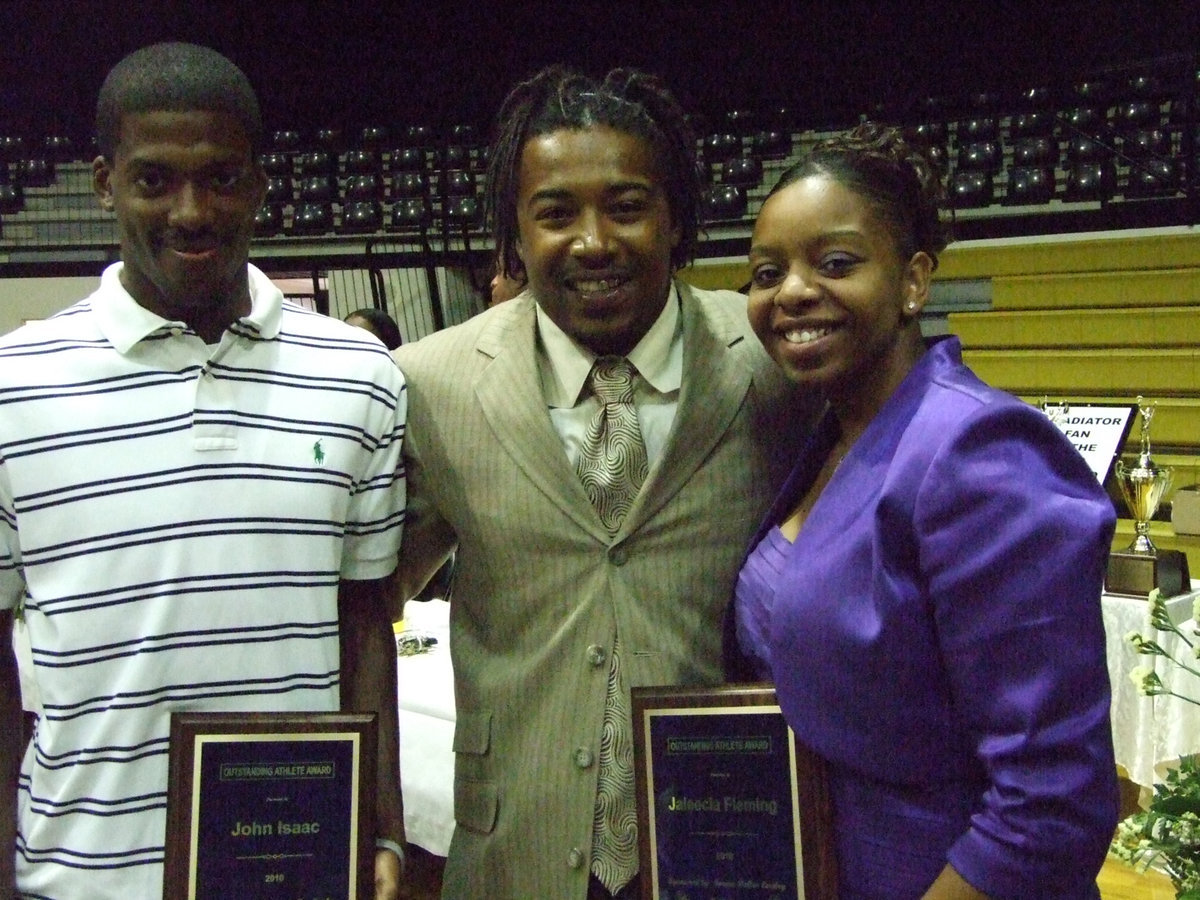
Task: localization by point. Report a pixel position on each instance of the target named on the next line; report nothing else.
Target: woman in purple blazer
(925, 593)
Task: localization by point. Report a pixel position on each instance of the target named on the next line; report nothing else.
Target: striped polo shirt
(176, 517)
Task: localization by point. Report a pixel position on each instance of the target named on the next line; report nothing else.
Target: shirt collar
(124, 322)
(564, 364)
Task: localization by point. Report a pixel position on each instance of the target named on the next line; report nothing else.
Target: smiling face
(831, 299)
(596, 234)
(185, 188)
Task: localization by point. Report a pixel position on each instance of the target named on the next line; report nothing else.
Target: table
(1150, 732)
(425, 684)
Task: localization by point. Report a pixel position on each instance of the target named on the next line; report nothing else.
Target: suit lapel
(509, 392)
(715, 382)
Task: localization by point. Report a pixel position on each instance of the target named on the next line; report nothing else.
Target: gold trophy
(1142, 567)
(1055, 412)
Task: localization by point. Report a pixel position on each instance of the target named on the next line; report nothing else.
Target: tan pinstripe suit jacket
(541, 590)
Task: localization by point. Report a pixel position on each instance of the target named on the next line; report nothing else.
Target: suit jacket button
(583, 757)
(575, 858)
(618, 556)
(596, 655)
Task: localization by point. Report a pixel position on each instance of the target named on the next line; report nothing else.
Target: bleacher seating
(724, 203)
(12, 147)
(312, 217)
(329, 139)
(285, 140)
(317, 163)
(268, 221)
(34, 172)
(276, 163)
(745, 171)
(1113, 151)
(1084, 320)
(363, 161)
(362, 216)
(12, 199)
(410, 214)
(318, 189)
(1103, 154)
(1094, 321)
(458, 183)
(373, 137)
(971, 188)
(363, 187)
(772, 144)
(717, 148)
(1091, 180)
(1030, 185)
(281, 190)
(407, 159)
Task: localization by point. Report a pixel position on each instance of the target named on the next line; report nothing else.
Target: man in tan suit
(594, 195)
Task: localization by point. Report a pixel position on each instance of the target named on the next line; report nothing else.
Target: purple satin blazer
(935, 633)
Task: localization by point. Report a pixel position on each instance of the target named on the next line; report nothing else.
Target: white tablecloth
(1150, 732)
(426, 713)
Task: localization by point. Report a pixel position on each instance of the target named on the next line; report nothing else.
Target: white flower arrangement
(1167, 834)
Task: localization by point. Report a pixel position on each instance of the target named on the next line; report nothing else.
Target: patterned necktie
(614, 823)
(612, 462)
(612, 466)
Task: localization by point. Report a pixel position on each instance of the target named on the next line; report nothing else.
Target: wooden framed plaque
(271, 805)
(729, 804)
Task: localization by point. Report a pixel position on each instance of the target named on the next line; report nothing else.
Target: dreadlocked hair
(899, 181)
(628, 101)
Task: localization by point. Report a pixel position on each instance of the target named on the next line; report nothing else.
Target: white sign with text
(1097, 432)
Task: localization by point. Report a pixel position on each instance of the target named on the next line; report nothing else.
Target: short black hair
(381, 325)
(627, 100)
(178, 77)
(897, 178)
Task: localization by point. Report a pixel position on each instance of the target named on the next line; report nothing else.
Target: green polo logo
(318, 454)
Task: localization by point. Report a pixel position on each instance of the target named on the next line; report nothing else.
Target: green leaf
(1177, 805)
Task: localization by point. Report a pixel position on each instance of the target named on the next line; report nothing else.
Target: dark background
(346, 65)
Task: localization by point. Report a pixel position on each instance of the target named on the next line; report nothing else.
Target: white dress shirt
(564, 364)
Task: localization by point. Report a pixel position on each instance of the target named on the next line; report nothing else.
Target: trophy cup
(1142, 567)
(1055, 412)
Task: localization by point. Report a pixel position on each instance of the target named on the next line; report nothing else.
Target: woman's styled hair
(896, 177)
(627, 100)
(176, 77)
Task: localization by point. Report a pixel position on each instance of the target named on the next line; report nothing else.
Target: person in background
(201, 498)
(379, 323)
(567, 595)
(924, 591)
(503, 286)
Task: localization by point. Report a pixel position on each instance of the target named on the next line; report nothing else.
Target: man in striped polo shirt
(200, 497)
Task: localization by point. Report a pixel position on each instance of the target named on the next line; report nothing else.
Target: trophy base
(1137, 574)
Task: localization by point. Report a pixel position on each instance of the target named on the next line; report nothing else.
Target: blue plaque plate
(728, 805)
(271, 805)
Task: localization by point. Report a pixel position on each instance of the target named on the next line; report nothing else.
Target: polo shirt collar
(124, 322)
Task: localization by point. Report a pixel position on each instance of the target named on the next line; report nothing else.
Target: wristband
(393, 847)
